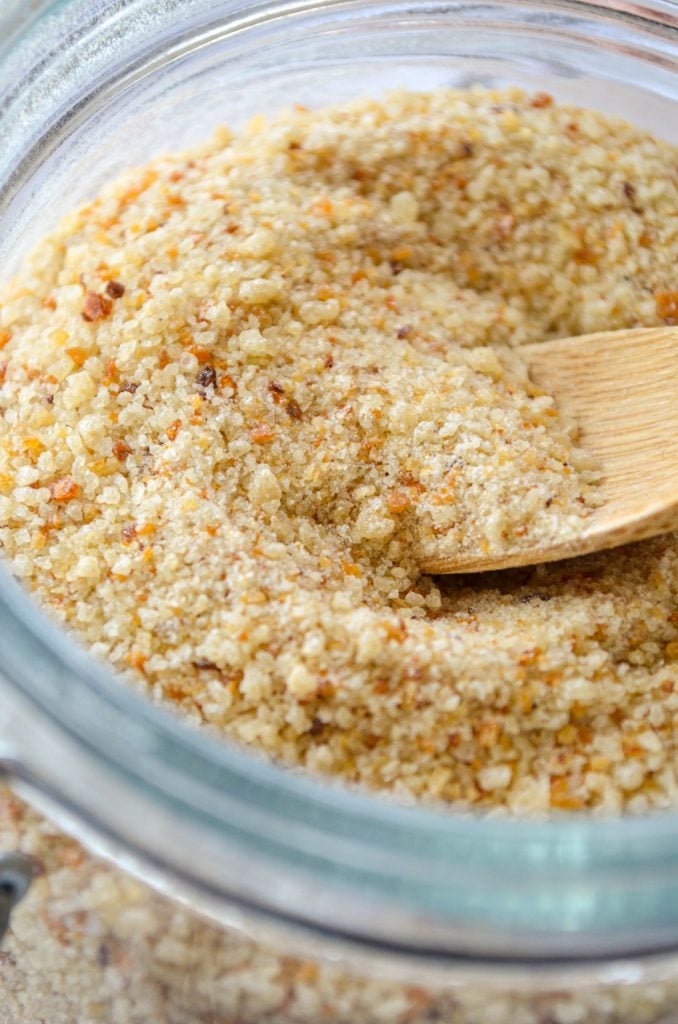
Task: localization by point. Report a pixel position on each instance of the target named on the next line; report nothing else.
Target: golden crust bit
(78, 355)
(115, 290)
(398, 502)
(64, 490)
(262, 433)
(97, 307)
(667, 306)
(121, 450)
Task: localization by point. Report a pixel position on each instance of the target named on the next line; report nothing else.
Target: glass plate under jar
(443, 917)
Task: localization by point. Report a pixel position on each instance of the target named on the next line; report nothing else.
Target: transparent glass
(87, 88)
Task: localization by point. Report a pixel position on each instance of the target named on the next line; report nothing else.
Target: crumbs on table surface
(239, 385)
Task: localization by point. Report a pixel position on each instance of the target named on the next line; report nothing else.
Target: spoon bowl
(621, 388)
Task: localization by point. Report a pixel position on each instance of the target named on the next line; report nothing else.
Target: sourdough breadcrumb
(238, 386)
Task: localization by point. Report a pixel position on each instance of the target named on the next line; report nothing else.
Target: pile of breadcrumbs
(241, 386)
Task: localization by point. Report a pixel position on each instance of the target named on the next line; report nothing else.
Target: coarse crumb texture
(242, 383)
(91, 945)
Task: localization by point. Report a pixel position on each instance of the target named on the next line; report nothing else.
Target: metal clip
(16, 873)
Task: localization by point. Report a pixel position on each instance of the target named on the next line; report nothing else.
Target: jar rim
(448, 885)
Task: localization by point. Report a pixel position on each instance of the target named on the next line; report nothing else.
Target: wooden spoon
(621, 388)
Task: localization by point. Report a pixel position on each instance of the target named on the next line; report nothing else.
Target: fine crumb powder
(244, 383)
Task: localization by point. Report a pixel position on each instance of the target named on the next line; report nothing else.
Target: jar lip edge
(15, 20)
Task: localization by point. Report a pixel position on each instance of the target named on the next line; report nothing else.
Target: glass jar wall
(452, 907)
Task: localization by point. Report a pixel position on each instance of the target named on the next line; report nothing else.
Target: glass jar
(551, 913)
